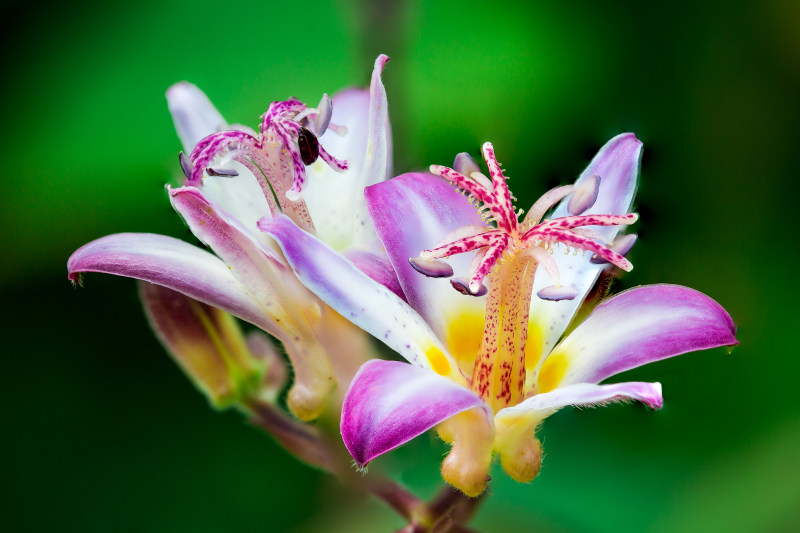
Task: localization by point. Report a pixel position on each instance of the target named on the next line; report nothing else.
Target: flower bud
(206, 342)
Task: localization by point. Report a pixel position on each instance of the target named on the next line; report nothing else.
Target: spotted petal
(636, 327)
(357, 297)
(389, 403)
(617, 164)
(411, 213)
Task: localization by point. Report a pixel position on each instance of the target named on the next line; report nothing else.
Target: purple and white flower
(486, 371)
(234, 178)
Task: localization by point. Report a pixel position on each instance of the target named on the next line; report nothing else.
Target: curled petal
(636, 327)
(389, 403)
(585, 394)
(173, 264)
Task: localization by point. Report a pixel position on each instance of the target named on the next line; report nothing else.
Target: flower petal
(276, 289)
(205, 341)
(389, 403)
(617, 164)
(378, 268)
(194, 115)
(585, 394)
(515, 441)
(335, 200)
(411, 213)
(366, 303)
(173, 264)
(636, 327)
(254, 265)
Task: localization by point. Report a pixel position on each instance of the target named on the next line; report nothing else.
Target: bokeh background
(101, 432)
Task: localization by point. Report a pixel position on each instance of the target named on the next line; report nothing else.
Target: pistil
(276, 156)
(498, 376)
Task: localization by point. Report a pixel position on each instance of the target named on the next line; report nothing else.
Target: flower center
(508, 255)
(276, 156)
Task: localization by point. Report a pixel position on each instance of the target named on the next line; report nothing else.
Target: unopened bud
(206, 342)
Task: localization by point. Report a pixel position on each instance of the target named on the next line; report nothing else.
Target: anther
(431, 267)
(622, 245)
(186, 165)
(557, 292)
(222, 172)
(465, 165)
(585, 195)
(462, 286)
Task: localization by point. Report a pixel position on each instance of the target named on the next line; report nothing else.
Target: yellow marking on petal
(438, 361)
(552, 372)
(463, 338)
(533, 346)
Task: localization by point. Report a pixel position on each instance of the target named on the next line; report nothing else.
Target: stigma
(505, 237)
(288, 128)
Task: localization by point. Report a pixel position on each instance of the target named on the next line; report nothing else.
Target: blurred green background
(103, 433)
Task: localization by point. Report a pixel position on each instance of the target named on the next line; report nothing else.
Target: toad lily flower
(487, 371)
(234, 177)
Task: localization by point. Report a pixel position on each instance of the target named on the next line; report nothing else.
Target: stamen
(465, 165)
(463, 286)
(534, 238)
(622, 245)
(324, 113)
(280, 125)
(338, 129)
(186, 165)
(431, 268)
(557, 292)
(480, 178)
(543, 205)
(222, 172)
(585, 195)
